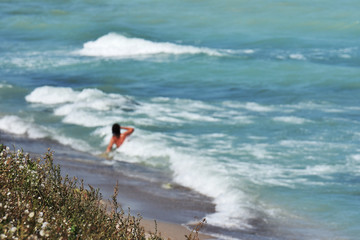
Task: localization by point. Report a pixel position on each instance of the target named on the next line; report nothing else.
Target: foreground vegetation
(37, 203)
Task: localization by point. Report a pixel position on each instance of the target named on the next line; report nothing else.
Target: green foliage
(37, 203)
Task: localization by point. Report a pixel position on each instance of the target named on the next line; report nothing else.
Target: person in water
(118, 138)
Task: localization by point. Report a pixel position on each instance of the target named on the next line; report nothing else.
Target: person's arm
(129, 131)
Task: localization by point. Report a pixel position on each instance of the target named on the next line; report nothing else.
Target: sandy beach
(173, 207)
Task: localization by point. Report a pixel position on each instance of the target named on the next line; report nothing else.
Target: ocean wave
(93, 107)
(114, 45)
(194, 170)
(96, 109)
(16, 125)
(215, 164)
(20, 126)
(88, 98)
(84, 108)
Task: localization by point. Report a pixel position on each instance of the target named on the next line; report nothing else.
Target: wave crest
(118, 46)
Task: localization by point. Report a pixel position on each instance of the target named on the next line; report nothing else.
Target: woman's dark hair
(116, 130)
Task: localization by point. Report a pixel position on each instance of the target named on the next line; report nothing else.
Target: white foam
(285, 176)
(5, 85)
(85, 107)
(257, 107)
(239, 52)
(259, 151)
(209, 178)
(355, 157)
(249, 51)
(177, 111)
(291, 119)
(199, 168)
(251, 106)
(353, 163)
(16, 125)
(92, 107)
(345, 56)
(297, 56)
(86, 119)
(191, 169)
(90, 98)
(322, 170)
(40, 60)
(118, 46)
(51, 95)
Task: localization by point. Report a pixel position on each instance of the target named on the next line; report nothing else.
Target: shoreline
(174, 208)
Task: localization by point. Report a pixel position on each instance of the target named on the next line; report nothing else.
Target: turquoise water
(253, 103)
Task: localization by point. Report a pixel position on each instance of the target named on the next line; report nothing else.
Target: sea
(255, 104)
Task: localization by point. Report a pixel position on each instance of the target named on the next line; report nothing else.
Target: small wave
(19, 126)
(250, 106)
(51, 95)
(92, 107)
(355, 157)
(329, 56)
(33, 60)
(87, 98)
(118, 46)
(291, 120)
(258, 151)
(297, 56)
(16, 125)
(83, 108)
(5, 85)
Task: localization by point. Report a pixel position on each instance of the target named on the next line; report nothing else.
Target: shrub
(37, 203)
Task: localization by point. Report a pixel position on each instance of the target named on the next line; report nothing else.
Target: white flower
(40, 220)
(42, 233)
(44, 225)
(26, 211)
(3, 236)
(13, 229)
(31, 215)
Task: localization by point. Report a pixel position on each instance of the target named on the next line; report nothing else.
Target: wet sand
(145, 191)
